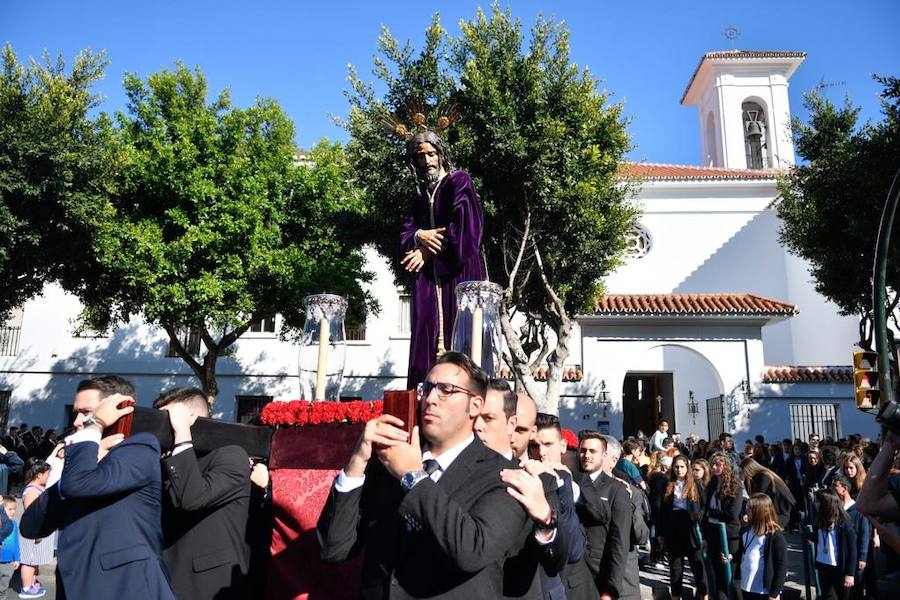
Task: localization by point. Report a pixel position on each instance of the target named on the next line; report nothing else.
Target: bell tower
(745, 114)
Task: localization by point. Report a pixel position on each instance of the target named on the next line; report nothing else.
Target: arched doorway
(660, 383)
(646, 398)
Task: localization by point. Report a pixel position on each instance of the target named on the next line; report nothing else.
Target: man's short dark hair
(547, 421)
(108, 385)
(588, 434)
(510, 401)
(842, 480)
(183, 395)
(829, 455)
(477, 377)
(724, 436)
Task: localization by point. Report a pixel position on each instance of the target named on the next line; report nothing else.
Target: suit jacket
(638, 535)
(575, 576)
(443, 540)
(774, 562)
(109, 511)
(205, 523)
(728, 512)
(533, 572)
(782, 499)
(863, 533)
(846, 547)
(605, 512)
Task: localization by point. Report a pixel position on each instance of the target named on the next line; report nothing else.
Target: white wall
(708, 359)
(771, 414)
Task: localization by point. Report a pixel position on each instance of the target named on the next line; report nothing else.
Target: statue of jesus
(441, 241)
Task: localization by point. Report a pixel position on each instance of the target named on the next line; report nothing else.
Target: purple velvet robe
(456, 207)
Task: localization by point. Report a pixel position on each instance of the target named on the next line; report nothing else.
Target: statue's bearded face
(427, 161)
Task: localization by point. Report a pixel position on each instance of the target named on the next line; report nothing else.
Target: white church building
(710, 323)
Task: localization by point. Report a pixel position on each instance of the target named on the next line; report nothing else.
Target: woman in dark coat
(835, 539)
(682, 507)
(723, 502)
(760, 480)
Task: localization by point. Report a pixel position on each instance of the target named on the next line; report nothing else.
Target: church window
(638, 242)
(755, 138)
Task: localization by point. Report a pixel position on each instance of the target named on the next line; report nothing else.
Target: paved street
(655, 582)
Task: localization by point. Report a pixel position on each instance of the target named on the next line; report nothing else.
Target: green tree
(52, 166)
(831, 205)
(211, 224)
(543, 146)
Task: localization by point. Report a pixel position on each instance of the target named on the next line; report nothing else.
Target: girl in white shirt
(761, 559)
(835, 539)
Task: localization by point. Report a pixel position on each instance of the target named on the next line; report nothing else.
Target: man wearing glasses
(435, 520)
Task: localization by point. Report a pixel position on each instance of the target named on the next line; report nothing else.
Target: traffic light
(866, 380)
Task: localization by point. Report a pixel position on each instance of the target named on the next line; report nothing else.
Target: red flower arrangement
(297, 413)
(571, 438)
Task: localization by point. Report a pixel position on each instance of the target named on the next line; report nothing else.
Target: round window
(638, 243)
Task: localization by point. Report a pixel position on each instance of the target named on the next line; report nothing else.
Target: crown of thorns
(417, 120)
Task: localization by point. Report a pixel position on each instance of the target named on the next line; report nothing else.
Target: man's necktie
(430, 465)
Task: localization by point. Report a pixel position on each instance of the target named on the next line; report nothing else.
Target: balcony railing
(9, 340)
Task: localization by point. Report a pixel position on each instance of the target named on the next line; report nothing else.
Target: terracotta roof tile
(806, 374)
(571, 373)
(667, 172)
(691, 304)
(754, 54)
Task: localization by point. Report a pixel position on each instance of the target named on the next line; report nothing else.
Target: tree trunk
(205, 371)
(520, 364)
(557, 362)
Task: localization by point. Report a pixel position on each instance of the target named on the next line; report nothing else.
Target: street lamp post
(602, 399)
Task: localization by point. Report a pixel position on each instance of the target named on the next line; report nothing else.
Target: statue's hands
(415, 260)
(432, 239)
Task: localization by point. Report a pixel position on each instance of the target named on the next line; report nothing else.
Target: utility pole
(879, 291)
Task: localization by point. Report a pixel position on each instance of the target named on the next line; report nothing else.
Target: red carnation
(570, 437)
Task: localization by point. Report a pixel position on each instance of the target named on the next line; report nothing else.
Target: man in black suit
(437, 523)
(605, 511)
(107, 504)
(540, 555)
(639, 533)
(574, 581)
(207, 504)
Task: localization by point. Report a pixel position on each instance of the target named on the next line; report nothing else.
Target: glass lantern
(476, 331)
(323, 348)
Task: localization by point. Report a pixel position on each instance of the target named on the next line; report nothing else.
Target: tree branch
(176, 344)
(548, 289)
(510, 289)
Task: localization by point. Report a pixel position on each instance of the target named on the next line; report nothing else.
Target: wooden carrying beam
(208, 434)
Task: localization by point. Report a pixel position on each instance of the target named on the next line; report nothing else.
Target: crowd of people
(435, 520)
(484, 498)
(711, 499)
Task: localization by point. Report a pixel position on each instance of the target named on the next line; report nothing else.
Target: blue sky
(298, 52)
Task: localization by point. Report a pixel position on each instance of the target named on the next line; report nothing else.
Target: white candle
(477, 326)
(322, 364)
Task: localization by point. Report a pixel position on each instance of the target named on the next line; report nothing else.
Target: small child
(9, 553)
